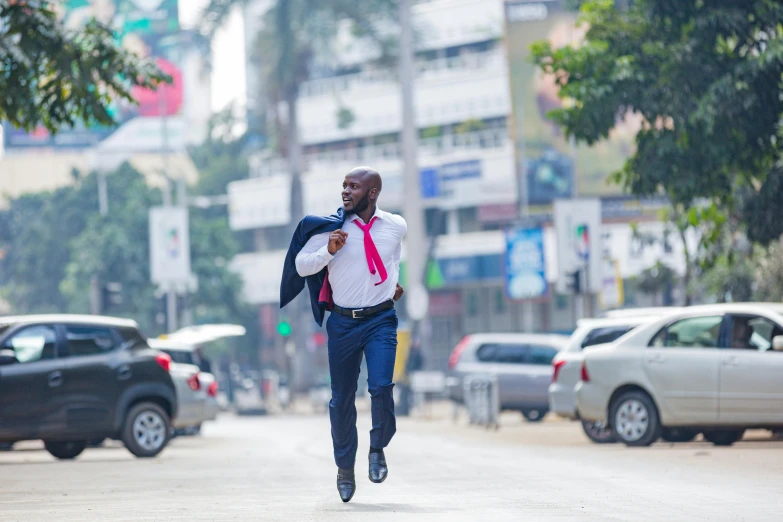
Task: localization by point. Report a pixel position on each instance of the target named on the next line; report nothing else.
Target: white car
(196, 390)
(714, 369)
(567, 363)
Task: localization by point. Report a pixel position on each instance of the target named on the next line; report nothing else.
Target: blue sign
(430, 183)
(525, 265)
(432, 179)
(460, 170)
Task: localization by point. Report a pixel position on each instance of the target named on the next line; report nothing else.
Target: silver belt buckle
(353, 314)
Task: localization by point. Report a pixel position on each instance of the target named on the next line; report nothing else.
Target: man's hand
(398, 293)
(336, 241)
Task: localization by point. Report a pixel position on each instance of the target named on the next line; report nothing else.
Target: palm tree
(294, 34)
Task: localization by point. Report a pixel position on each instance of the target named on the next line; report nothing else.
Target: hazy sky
(228, 48)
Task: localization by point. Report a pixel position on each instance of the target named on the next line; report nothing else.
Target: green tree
(769, 273)
(706, 77)
(55, 77)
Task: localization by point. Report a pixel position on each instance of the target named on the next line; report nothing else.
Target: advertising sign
(579, 243)
(148, 28)
(555, 167)
(525, 264)
(169, 246)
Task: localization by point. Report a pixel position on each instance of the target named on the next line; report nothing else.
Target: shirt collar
(378, 214)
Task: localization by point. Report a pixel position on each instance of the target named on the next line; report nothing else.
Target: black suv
(71, 379)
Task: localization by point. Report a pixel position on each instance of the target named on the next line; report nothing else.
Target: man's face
(356, 193)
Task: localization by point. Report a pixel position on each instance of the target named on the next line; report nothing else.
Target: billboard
(555, 167)
(525, 264)
(148, 28)
(169, 246)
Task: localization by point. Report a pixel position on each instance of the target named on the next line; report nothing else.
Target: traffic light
(111, 296)
(284, 328)
(575, 282)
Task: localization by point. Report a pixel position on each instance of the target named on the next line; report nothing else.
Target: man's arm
(314, 256)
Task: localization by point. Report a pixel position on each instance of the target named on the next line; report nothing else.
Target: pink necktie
(373, 257)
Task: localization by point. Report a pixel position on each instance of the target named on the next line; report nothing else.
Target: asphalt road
(280, 468)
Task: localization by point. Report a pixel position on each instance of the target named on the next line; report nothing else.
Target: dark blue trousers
(376, 338)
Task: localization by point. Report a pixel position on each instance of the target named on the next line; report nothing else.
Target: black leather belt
(359, 313)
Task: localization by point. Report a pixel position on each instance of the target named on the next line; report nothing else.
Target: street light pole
(171, 295)
(416, 241)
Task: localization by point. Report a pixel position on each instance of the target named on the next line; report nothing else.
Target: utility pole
(416, 240)
(171, 294)
(520, 160)
(96, 295)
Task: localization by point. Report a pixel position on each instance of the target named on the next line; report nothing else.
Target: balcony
(435, 146)
(425, 70)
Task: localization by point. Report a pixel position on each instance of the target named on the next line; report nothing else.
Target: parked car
(521, 361)
(71, 379)
(714, 369)
(567, 363)
(196, 390)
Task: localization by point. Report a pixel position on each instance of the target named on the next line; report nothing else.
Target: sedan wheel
(635, 419)
(598, 432)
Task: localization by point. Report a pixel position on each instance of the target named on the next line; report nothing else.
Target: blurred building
(350, 115)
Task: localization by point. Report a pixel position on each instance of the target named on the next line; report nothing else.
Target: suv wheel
(535, 415)
(678, 434)
(635, 419)
(724, 437)
(65, 450)
(598, 432)
(146, 430)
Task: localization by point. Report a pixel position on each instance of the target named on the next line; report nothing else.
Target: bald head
(360, 191)
(373, 178)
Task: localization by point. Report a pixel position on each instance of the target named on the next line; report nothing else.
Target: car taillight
(455, 355)
(584, 375)
(557, 365)
(194, 383)
(213, 389)
(164, 360)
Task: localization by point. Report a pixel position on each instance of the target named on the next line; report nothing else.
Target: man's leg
(380, 349)
(345, 358)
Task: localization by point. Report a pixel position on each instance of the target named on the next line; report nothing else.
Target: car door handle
(124, 372)
(55, 379)
(657, 358)
(731, 360)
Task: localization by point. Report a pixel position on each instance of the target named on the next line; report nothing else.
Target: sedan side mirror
(9, 356)
(777, 343)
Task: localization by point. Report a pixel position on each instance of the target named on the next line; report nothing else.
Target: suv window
(131, 336)
(693, 332)
(89, 340)
(753, 333)
(542, 355)
(35, 343)
(606, 334)
(502, 353)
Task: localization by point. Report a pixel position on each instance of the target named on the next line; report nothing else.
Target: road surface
(280, 468)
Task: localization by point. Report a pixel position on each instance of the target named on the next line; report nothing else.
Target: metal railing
(477, 140)
(425, 69)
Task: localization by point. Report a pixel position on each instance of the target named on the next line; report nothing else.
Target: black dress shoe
(346, 484)
(378, 469)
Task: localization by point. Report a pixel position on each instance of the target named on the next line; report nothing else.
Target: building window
(472, 303)
(500, 301)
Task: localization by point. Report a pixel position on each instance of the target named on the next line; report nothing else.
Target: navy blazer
(292, 283)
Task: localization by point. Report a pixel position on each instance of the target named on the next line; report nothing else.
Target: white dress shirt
(353, 286)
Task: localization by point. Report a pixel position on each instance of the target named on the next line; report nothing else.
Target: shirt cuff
(324, 253)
